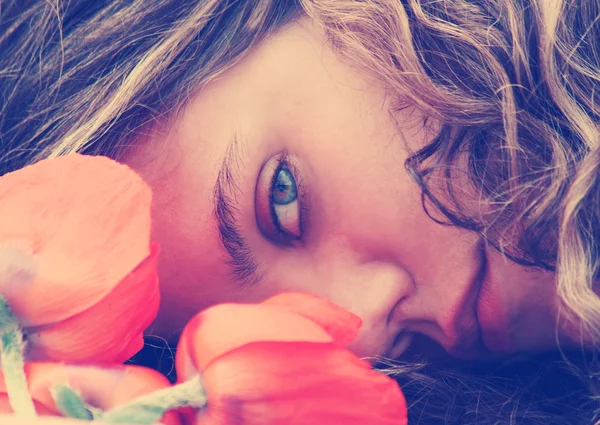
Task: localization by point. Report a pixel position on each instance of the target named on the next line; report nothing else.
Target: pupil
(284, 188)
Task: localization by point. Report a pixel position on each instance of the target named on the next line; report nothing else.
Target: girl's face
(286, 173)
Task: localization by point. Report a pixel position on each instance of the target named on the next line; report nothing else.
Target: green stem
(149, 408)
(13, 367)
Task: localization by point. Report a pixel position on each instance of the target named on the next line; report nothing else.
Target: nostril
(399, 345)
(370, 343)
(371, 290)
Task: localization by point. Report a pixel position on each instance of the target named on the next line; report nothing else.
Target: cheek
(193, 274)
(194, 268)
(192, 265)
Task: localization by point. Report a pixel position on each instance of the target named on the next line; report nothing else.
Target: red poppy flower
(284, 362)
(102, 388)
(76, 264)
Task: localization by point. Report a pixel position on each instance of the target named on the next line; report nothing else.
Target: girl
(430, 166)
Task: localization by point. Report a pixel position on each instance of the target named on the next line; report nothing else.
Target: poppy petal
(300, 384)
(100, 334)
(82, 223)
(342, 325)
(225, 327)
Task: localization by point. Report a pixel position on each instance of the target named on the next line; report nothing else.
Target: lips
(467, 343)
(492, 314)
(473, 324)
(455, 327)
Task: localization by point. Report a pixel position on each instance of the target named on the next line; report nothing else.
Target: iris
(284, 189)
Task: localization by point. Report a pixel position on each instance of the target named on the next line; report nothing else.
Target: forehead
(292, 69)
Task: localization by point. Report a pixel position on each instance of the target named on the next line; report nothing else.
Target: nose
(370, 290)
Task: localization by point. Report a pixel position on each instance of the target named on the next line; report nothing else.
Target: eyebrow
(226, 192)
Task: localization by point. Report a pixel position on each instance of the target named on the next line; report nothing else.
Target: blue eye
(284, 190)
(278, 201)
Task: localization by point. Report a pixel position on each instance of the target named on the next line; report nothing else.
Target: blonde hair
(90, 76)
(513, 84)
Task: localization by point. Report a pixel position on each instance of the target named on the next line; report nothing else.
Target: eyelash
(283, 161)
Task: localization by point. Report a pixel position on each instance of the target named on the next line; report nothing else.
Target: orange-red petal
(100, 333)
(101, 387)
(342, 325)
(299, 383)
(80, 224)
(226, 327)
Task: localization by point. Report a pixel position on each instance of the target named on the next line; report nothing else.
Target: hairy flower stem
(13, 367)
(149, 408)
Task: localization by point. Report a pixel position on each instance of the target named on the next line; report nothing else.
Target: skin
(366, 242)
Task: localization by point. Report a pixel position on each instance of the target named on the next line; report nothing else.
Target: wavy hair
(515, 86)
(511, 88)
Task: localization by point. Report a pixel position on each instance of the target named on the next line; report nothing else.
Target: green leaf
(70, 403)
